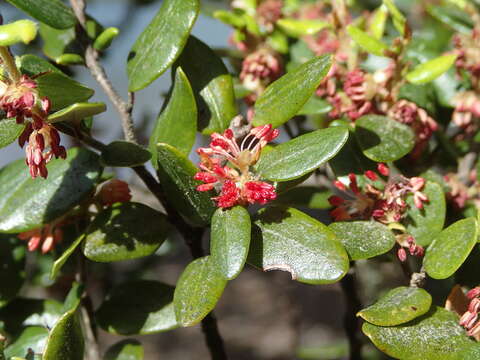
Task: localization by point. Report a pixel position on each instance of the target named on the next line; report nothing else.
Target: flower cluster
(44, 238)
(464, 190)
(470, 319)
(227, 168)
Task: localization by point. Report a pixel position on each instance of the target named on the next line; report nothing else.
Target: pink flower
(259, 69)
(469, 320)
(44, 238)
(17, 99)
(114, 191)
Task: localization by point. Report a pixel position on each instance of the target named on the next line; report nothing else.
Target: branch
(418, 278)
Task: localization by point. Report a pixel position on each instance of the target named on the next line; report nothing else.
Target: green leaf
(229, 18)
(65, 341)
(445, 88)
(77, 112)
(430, 70)
(383, 139)
(17, 32)
(289, 240)
(212, 86)
(125, 231)
(450, 248)
(424, 224)
(161, 42)
(124, 154)
(28, 203)
(61, 90)
(305, 196)
(176, 173)
(198, 291)
(434, 336)
(315, 106)
(105, 39)
(364, 239)
(399, 20)
(32, 337)
(422, 95)
(368, 43)
(303, 154)
(177, 124)
(377, 24)
(284, 98)
(9, 131)
(51, 12)
(398, 306)
(74, 296)
(230, 240)
(452, 16)
(12, 274)
(129, 349)
(33, 65)
(146, 307)
(58, 264)
(298, 28)
(56, 42)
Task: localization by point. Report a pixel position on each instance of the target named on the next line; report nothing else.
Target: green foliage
(124, 154)
(51, 12)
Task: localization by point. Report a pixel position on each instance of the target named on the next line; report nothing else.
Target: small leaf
(65, 341)
(68, 59)
(176, 173)
(74, 296)
(124, 154)
(33, 65)
(125, 231)
(383, 139)
(377, 24)
(129, 349)
(40, 201)
(12, 275)
(17, 32)
(230, 240)
(452, 16)
(366, 42)
(77, 112)
(399, 20)
(229, 18)
(177, 124)
(424, 224)
(289, 240)
(297, 28)
(32, 337)
(105, 39)
(450, 248)
(161, 42)
(430, 70)
(58, 264)
(303, 154)
(434, 336)
(146, 307)
(9, 131)
(56, 42)
(198, 290)
(398, 306)
(364, 239)
(51, 12)
(284, 98)
(212, 86)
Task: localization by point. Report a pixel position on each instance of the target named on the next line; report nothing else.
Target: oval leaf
(9, 131)
(198, 291)
(398, 306)
(399, 20)
(364, 239)
(51, 12)
(128, 349)
(12, 275)
(161, 42)
(124, 154)
(431, 70)
(41, 201)
(383, 139)
(177, 124)
(146, 307)
(289, 240)
(125, 231)
(368, 43)
(33, 65)
(176, 173)
(230, 240)
(297, 28)
(451, 248)
(65, 341)
(77, 112)
(286, 96)
(212, 86)
(303, 154)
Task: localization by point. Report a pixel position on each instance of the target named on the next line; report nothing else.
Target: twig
(418, 278)
(353, 306)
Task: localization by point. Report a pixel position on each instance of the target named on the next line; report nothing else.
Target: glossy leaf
(61, 90)
(65, 341)
(12, 274)
(303, 154)
(297, 28)
(177, 124)
(125, 231)
(383, 139)
(430, 70)
(368, 43)
(450, 248)
(28, 203)
(21, 31)
(73, 298)
(70, 59)
(105, 39)
(434, 336)
(33, 65)
(399, 20)
(315, 106)
(176, 176)
(77, 112)
(9, 131)
(364, 239)
(284, 98)
(230, 240)
(289, 240)
(51, 12)
(305, 196)
(424, 224)
(398, 306)
(58, 264)
(124, 154)
(128, 349)
(212, 86)
(198, 291)
(146, 307)
(161, 42)
(32, 337)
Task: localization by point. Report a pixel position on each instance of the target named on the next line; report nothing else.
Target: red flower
(114, 191)
(44, 238)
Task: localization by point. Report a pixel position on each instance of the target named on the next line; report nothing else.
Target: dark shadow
(367, 138)
(273, 215)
